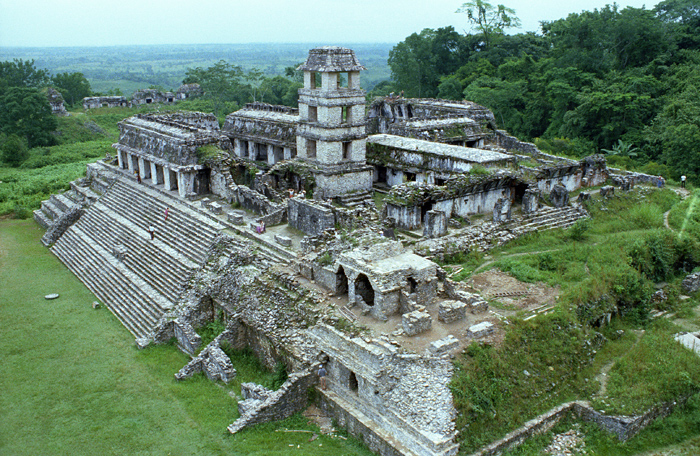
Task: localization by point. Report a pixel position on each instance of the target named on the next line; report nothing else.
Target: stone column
(287, 153)
(270, 154)
(130, 163)
(251, 150)
(143, 169)
(154, 173)
(120, 158)
(237, 147)
(166, 179)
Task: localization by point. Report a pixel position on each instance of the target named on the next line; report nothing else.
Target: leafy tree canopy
(25, 112)
(73, 86)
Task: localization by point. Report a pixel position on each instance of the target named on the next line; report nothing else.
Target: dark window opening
(412, 284)
(347, 150)
(439, 182)
(341, 282)
(363, 288)
(409, 111)
(313, 114)
(310, 148)
(409, 177)
(381, 174)
(427, 206)
(343, 80)
(352, 382)
(148, 100)
(345, 115)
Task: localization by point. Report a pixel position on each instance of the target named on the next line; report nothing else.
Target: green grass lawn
(73, 382)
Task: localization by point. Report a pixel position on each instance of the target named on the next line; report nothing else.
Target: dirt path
(602, 376)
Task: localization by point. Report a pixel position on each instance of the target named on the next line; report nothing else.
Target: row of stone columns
(171, 179)
(250, 149)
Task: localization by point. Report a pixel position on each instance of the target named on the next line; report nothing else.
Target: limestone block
(502, 210)
(119, 251)
(583, 196)
(449, 311)
(443, 345)
(416, 322)
(435, 224)
(235, 218)
(607, 191)
(479, 306)
(531, 201)
(283, 240)
(205, 202)
(216, 208)
(559, 196)
(691, 283)
(478, 331)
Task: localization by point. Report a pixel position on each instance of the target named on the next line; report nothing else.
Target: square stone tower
(332, 133)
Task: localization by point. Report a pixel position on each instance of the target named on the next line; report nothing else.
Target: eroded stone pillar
(270, 154)
(287, 153)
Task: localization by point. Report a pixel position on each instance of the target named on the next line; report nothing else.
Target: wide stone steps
(189, 235)
(161, 267)
(551, 219)
(128, 297)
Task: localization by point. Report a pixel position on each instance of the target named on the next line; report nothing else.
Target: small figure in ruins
(152, 231)
(167, 209)
(138, 177)
(683, 181)
(660, 182)
(322, 376)
(261, 228)
(291, 193)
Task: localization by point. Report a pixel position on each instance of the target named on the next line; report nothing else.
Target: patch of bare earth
(515, 295)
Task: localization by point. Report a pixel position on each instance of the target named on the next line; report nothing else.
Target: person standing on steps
(152, 231)
(322, 376)
(683, 181)
(167, 209)
(138, 176)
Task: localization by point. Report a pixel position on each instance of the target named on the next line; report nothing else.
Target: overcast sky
(124, 22)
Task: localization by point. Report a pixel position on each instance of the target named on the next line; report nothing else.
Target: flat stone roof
(440, 123)
(272, 116)
(407, 260)
(468, 154)
(185, 132)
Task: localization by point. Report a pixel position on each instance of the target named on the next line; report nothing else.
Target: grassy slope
(491, 391)
(73, 382)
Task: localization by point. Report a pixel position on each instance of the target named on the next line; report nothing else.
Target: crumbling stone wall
(65, 221)
(291, 398)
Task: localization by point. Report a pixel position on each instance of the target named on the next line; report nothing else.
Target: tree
(221, 83)
(25, 112)
(489, 20)
(13, 150)
(20, 73)
(73, 86)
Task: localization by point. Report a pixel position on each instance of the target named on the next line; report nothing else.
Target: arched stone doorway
(363, 288)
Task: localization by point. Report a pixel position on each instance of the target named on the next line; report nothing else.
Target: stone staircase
(110, 249)
(547, 218)
(354, 199)
(54, 207)
(111, 252)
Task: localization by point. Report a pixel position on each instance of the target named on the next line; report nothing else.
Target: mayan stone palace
(270, 225)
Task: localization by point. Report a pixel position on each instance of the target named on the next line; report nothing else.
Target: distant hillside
(129, 68)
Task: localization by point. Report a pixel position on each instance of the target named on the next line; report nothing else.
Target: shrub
(579, 229)
(13, 150)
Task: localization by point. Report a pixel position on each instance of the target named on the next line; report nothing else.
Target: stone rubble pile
(568, 443)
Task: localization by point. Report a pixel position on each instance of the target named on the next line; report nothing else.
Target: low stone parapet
(283, 240)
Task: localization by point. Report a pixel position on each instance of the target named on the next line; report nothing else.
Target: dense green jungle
(620, 82)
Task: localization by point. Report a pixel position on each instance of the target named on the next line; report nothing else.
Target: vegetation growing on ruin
(554, 358)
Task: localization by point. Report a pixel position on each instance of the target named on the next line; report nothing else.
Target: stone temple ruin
(143, 96)
(269, 225)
